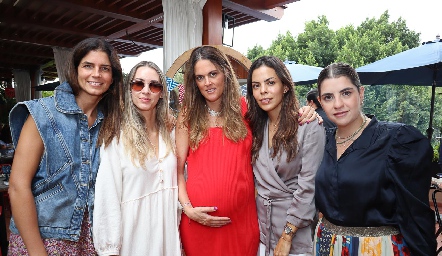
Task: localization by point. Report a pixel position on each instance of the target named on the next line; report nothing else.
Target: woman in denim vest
(56, 158)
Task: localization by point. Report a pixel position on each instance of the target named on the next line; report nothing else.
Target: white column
(37, 79)
(183, 28)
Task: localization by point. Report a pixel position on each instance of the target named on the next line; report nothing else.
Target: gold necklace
(150, 142)
(351, 136)
(160, 172)
(275, 125)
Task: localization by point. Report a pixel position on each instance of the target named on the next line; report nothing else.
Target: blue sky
(421, 16)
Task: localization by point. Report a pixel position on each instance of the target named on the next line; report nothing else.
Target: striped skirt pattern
(327, 243)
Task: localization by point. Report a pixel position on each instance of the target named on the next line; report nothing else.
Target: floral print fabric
(56, 247)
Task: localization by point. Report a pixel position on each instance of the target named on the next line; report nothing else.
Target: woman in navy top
(373, 183)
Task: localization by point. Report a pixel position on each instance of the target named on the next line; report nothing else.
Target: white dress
(136, 209)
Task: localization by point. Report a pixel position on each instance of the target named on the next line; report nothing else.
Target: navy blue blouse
(382, 179)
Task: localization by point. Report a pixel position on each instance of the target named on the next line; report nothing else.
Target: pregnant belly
(229, 193)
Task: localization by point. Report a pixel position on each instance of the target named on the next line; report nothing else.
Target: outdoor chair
(436, 210)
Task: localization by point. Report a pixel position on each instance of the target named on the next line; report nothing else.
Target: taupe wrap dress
(286, 189)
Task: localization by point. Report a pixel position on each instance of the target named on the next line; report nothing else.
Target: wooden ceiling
(30, 28)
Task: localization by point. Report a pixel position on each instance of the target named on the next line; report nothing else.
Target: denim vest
(63, 186)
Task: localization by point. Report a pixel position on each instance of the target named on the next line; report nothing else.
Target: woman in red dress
(217, 191)
(218, 196)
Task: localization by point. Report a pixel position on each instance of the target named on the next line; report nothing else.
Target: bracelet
(186, 204)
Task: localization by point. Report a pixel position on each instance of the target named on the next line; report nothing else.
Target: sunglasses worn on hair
(154, 86)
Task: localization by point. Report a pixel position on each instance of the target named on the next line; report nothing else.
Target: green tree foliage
(372, 40)
(256, 52)
(47, 93)
(317, 45)
(282, 46)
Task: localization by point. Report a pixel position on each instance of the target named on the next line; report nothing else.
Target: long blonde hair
(195, 110)
(134, 136)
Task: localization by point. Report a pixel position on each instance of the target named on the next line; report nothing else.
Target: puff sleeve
(410, 159)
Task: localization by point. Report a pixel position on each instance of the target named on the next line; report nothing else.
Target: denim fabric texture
(63, 186)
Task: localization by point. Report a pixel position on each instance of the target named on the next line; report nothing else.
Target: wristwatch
(289, 231)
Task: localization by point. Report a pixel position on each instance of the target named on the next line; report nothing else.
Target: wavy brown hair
(134, 136)
(195, 110)
(285, 138)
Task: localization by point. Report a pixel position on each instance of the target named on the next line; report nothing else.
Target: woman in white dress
(136, 194)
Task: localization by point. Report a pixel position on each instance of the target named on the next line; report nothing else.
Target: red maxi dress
(220, 174)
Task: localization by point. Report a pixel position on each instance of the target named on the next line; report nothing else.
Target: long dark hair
(312, 95)
(111, 103)
(285, 136)
(82, 49)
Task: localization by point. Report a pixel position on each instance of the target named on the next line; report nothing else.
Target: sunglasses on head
(154, 86)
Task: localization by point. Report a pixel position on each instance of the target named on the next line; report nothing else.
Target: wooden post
(212, 22)
(213, 31)
(32, 73)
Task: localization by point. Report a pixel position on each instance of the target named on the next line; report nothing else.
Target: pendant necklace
(215, 114)
(275, 126)
(150, 142)
(155, 153)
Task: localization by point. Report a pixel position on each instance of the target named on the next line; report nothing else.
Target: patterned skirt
(55, 247)
(328, 243)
